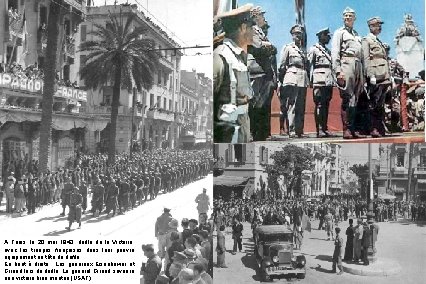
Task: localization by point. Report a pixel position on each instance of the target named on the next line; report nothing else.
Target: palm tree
(49, 84)
(120, 57)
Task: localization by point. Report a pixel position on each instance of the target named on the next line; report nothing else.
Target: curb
(384, 267)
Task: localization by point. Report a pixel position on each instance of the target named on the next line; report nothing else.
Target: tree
(49, 83)
(289, 162)
(362, 172)
(121, 57)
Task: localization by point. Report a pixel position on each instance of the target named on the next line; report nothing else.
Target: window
(176, 106)
(83, 32)
(422, 160)
(66, 73)
(67, 27)
(143, 99)
(183, 103)
(151, 100)
(170, 105)
(263, 155)
(236, 153)
(43, 15)
(166, 77)
(164, 103)
(400, 159)
(159, 77)
(158, 101)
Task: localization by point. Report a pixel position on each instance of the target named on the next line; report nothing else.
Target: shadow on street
(322, 257)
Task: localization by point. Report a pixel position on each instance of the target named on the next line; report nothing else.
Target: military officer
(231, 85)
(322, 81)
(111, 197)
(293, 76)
(262, 75)
(75, 208)
(346, 54)
(377, 73)
(68, 188)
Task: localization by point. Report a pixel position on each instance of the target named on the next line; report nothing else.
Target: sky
(328, 13)
(357, 153)
(189, 20)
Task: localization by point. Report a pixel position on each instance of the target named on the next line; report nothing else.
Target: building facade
(23, 38)
(156, 122)
(251, 160)
(402, 171)
(196, 108)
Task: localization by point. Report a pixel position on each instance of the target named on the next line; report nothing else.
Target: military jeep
(274, 252)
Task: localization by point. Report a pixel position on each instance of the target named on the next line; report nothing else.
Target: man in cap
(262, 67)
(66, 192)
(321, 80)
(231, 85)
(337, 255)
(161, 228)
(203, 203)
(377, 73)
(346, 54)
(293, 75)
(75, 208)
(151, 269)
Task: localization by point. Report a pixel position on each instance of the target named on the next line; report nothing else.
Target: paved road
(403, 241)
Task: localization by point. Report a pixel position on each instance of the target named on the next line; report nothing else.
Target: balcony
(77, 4)
(106, 110)
(160, 114)
(69, 46)
(420, 170)
(166, 63)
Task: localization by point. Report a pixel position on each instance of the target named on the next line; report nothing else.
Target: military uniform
(111, 199)
(263, 78)
(293, 76)
(152, 269)
(377, 72)
(231, 84)
(161, 228)
(75, 207)
(337, 255)
(346, 54)
(322, 82)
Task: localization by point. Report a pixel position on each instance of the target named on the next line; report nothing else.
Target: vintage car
(274, 252)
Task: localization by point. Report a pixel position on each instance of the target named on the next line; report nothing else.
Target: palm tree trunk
(114, 113)
(49, 84)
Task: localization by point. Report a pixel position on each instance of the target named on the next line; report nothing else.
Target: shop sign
(13, 82)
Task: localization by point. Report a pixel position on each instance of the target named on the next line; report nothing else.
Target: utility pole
(410, 166)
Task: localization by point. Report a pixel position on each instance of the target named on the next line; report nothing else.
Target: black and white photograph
(324, 213)
(106, 129)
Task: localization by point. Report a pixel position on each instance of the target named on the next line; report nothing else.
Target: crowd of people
(358, 66)
(184, 256)
(298, 212)
(117, 188)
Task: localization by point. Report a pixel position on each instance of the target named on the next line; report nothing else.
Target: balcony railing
(160, 114)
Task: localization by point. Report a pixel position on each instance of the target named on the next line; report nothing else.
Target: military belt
(322, 66)
(377, 56)
(296, 65)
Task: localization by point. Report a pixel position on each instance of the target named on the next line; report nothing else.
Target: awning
(59, 121)
(386, 196)
(230, 181)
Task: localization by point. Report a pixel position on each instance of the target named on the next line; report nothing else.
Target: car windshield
(277, 238)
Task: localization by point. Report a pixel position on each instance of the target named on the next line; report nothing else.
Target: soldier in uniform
(157, 176)
(68, 188)
(146, 185)
(83, 191)
(346, 54)
(263, 77)
(123, 195)
(97, 197)
(75, 208)
(293, 75)
(231, 84)
(111, 198)
(337, 255)
(32, 189)
(161, 228)
(377, 74)
(151, 269)
(322, 81)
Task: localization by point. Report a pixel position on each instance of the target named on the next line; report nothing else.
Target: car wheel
(301, 276)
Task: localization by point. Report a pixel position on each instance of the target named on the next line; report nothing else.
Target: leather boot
(375, 133)
(358, 135)
(346, 132)
(317, 116)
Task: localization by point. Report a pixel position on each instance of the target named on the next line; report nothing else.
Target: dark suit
(349, 249)
(237, 234)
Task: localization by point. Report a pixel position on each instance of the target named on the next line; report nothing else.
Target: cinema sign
(11, 81)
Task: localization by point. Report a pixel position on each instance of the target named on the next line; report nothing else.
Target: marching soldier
(123, 195)
(346, 54)
(32, 188)
(377, 73)
(83, 192)
(68, 188)
(232, 89)
(75, 208)
(322, 81)
(293, 76)
(97, 197)
(111, 199)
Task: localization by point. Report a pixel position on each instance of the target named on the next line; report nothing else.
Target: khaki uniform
(294, 76)
(376, 66)
(232, 89)
(322, 81)
(346, 54)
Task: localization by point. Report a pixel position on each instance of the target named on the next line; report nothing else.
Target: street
(402, 241)
(136, 225)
